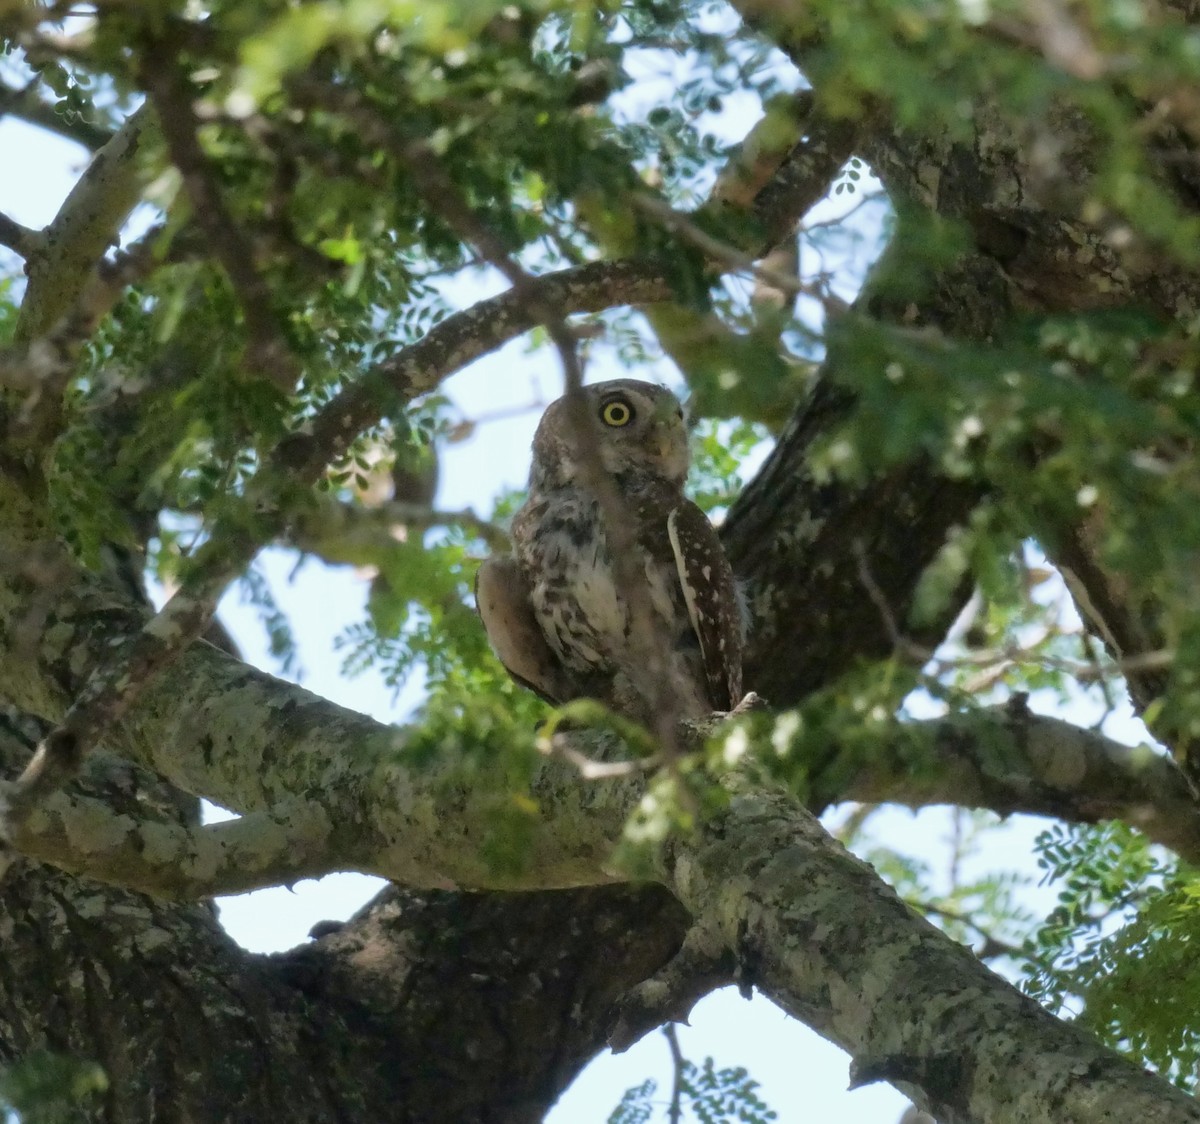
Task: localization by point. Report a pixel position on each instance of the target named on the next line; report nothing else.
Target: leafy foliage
(1125, 921)
(46, 1088)
(706, 1093)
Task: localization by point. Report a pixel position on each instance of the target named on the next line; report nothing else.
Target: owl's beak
(664, 442)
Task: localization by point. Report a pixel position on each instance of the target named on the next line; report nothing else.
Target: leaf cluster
(48, 1088)
(709, 1094)
(1125, 922)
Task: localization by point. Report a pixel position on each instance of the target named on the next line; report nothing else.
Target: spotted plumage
(554, 611)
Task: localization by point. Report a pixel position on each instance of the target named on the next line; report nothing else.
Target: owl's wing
(712, 601)
(502, 598)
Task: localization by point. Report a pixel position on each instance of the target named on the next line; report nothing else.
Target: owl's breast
(562, 548)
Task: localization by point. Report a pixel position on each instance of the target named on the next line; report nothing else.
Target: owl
(554, 610)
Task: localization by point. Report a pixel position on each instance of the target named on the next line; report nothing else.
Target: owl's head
(639, 426)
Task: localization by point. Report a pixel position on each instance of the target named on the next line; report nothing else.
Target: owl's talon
(751, 702)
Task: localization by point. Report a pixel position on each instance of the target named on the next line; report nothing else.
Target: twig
(349, 529)
(552, 741)
(992, 945)
(675, 1110)
(720, 251)
(900, 642)
(864, 198)
(267, 352)
(27, 105)
(22, 240)
(994, 662)
(592, 770)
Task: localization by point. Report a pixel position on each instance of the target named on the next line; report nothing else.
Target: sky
(802, 1077)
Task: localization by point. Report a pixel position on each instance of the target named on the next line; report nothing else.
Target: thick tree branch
(210, 715)
(277, 741)
(818, 932)
(332, 1028)
(790, 522)
(174, 861)
(85, 226)
(1014, 761)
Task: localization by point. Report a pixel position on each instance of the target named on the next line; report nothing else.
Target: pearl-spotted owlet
(554, 610)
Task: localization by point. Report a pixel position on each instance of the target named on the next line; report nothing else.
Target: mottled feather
(712, 601)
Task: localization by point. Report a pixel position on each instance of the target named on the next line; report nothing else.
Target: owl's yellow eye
(617, 413)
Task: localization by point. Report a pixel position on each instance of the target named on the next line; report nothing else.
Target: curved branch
(28, 106)
(417, 825)
(1020, 762)
(820, 934)
(344, 533)
(173, 861)
(461, 339)
(214, 726)
(84, 227)
(20, 239)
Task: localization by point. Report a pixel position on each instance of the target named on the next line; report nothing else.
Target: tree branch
(85, 226)
(177, 862)
(28, 106)
(462, 338)
(821, 935)
(340, 532)
(1021, 762)
(776, 182)
(207, 717)
(20, 239)
(783, 168)
(268, 354)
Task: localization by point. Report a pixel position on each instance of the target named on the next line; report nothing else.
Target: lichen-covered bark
(816, 930)
(428, 1006)
(795, 542)
(85, 226)
(1027, 763)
